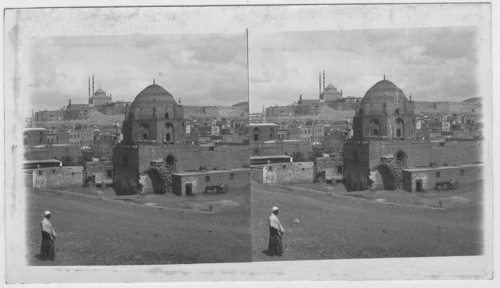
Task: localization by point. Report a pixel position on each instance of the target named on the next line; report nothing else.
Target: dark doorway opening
(418, 184)
(189, 189)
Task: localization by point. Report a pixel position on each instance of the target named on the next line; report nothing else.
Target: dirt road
(94, 231)
(320, 225)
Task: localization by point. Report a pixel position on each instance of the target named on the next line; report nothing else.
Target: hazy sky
(435, 64)
(199, 69)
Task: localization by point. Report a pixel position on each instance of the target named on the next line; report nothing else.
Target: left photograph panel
(135, 149)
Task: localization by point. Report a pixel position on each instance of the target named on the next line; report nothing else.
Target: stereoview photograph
(248, 143)
(135, 150)
(368, 142)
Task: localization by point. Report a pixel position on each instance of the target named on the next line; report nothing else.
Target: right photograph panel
(366, 143)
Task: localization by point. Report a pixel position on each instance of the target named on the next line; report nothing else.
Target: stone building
(384, 143)
(154, 147)
(284, 173)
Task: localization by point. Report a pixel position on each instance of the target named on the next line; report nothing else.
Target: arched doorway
(383, 178)
(256, 152)
(150, 182)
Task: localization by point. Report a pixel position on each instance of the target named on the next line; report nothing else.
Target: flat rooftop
(420, 169)
(270, 157)
(194, 173)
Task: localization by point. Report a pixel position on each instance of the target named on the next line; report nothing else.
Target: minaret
(324, 79)
(320, 84)
(89, 90)
(263, 114)
(92, 85)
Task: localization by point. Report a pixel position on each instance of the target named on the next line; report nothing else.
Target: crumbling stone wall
(97, 172)
(329, 166)
(57, 177)
(286, 173)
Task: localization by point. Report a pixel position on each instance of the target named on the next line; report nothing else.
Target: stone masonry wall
(233, 178)
(463, 174)
(287, 173)
(58, 177)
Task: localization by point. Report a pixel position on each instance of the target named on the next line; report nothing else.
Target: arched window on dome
(169, 132)
(256, 134)
(374, 127)
(144, 131)
(400, 126)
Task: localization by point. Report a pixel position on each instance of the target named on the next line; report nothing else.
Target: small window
(462, 172)
(53, 170)
(39, 172)
(270, 168)
(145, 136)
(207, 178)
(397, 111)
(339, 169)
(438, 174)
(231, 176)
(109, 173)
(284, 167)
(166, 115)
(303, 169)
(72, 173)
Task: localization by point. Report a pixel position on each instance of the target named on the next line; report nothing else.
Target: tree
(67, 161)
(298, 156)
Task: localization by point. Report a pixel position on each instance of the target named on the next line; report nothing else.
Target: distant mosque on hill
(99, 97)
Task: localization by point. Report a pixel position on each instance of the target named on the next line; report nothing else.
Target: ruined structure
(384, 145)
(154, 148)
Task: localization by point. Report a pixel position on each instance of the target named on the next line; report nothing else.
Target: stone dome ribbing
(385, 98)
(155, 97)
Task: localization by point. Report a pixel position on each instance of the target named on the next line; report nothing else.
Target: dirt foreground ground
(325, 222)
(95, 227)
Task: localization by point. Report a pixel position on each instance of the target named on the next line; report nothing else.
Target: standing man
(275, 234)
(48, 250)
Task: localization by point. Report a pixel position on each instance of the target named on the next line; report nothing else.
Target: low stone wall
(56, 177)
(284, 173)
(429, 176)
(198, 181)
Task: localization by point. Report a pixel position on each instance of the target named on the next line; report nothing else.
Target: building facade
(154, 147)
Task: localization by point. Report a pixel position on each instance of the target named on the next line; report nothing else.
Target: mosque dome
(100, 93)
(385, 98)
(153, 101)
(331, 87)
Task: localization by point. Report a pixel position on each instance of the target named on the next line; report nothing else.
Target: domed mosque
(155, 117)
(385, 154)
(154, 156)
(384, 113)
